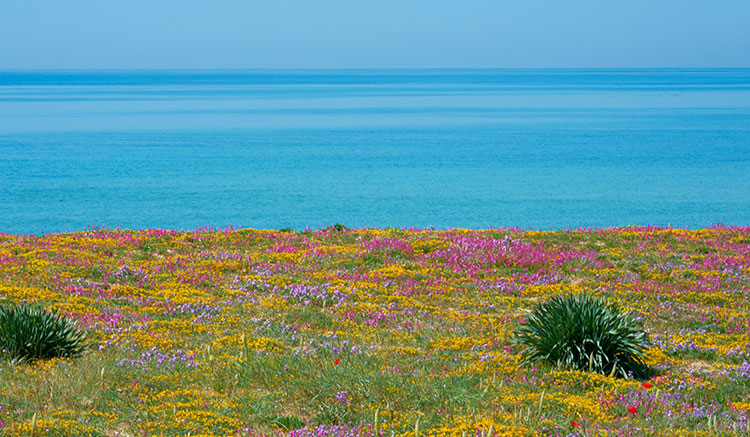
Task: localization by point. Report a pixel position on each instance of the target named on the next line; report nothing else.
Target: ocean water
(539, 149)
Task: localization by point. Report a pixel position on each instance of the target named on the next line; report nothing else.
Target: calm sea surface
(444, 148)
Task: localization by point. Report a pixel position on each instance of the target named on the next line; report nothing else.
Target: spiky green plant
(29, 333)
(584, 332)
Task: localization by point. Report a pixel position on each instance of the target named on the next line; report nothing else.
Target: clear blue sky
(68, 34)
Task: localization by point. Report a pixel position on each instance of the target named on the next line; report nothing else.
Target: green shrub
(29, 333)
(338, 227)
(584, 332)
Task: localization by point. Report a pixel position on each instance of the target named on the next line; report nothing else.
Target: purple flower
(341, 397)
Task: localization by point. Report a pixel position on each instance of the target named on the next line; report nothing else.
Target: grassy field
(363, 332)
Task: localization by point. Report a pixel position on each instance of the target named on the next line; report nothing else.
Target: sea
(272, 149)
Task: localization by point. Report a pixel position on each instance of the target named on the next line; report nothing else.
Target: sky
(138, 34)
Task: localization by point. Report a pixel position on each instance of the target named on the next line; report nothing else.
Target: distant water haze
(404, 148)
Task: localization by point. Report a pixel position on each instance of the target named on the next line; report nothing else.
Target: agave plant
(584, 332)
(29, 333)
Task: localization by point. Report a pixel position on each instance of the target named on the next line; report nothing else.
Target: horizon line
(158, 69)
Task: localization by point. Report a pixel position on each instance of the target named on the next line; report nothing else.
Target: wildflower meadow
(364, 332)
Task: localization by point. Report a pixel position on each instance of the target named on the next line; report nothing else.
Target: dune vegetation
(361, 332)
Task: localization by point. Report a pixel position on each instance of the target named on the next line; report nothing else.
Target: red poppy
(573, 423)
(632, 410)
(336, 361)
(646, 385)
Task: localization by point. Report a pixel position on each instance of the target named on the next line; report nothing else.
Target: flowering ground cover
(363, 332)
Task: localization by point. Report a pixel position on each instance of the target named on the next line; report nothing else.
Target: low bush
(29, 333)
(584, 332)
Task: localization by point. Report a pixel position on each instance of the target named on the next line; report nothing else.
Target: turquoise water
(444, 148)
